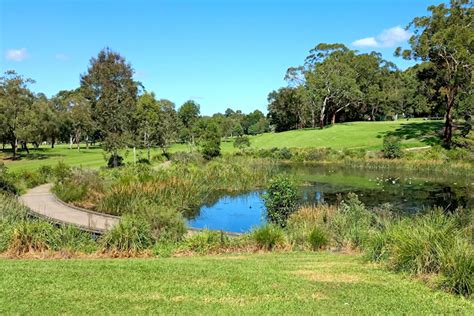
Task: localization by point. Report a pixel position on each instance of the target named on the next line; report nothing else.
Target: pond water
(406, 192)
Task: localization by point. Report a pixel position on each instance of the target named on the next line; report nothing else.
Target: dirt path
(41, 201)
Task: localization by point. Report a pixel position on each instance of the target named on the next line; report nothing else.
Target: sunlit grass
(366, 135)
(277, 283)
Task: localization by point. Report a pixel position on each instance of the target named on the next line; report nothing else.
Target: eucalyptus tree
(330, 73)
(16, 102)
(445, 40)
(112, 93)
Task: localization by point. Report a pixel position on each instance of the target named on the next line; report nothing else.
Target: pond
(406, 192)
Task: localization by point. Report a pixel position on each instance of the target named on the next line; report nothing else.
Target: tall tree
(188, 113)
(16, 101)
(445, 40)
(112, 93)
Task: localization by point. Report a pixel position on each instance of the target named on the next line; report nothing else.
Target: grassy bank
(283, 283)
(354, 135)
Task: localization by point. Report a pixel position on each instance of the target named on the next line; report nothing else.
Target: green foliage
(281, 200)
(391, 147)
(115, 161)
(242, 142)
(79, 185)
(318, 238)
(206, 241)
(458, 269)
(33, 236)
(352, 222)
(211, 149)
(268, 236)
(130, 236)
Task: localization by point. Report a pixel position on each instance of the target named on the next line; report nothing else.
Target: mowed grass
(366, 135)
(291, 283)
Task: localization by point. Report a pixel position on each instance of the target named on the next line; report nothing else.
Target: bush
(281, 200)
(351, 225)
(392, 147)
(268, 236)
(6, 184)
(167, 224)
(33, 236)
(318, 238)
(211, 149)
(130, 236)
(242, 142)
(115, 161)
(206, 241)
(458, 269)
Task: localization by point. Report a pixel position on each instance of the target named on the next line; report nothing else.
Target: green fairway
(294, 283)
(366, 135)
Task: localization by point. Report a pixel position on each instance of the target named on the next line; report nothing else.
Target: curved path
(42, 202)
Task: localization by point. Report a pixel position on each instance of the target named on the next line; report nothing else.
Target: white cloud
(388, 38)
(16, 54)
(61, 56)
(366, 42)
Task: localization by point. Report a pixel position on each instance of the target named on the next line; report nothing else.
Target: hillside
(367, 135)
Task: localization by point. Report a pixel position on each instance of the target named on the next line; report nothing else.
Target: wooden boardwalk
(43, 203)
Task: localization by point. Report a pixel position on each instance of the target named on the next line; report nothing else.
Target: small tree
(212, 142)
(242, 142)
(392, 147)
(281, 200)
(112, 93)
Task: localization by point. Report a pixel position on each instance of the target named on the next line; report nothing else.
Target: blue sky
(226, 53)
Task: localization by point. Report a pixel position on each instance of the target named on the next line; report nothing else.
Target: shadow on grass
(426, 132)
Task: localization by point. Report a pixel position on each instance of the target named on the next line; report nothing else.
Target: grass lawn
(291, 283)
(367, 135)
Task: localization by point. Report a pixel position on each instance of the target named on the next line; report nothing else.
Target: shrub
(10, 210)
(81, 183)
(206, 241)
(61, 171)
(115, 161)
(130, 236)
(33, 236)
(351, 224)
(283, 153)
(211, 149)
(72, 239)
(183, 157)
(458, 269)
(318, 238)
(392, 147)
(268, 236)
(167, 224)
(242, 142)
(281, 200)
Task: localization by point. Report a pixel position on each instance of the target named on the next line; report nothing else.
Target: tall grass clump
(352, 223)
(206, 241)
(303, 226)
(268, 236)
(430, 244)
(131, 236)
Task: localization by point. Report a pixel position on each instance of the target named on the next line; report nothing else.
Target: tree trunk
(321, 117)
(70, 141)
(25, 147)
(448, 125)
(87, 142)
(78, 141)
(14, 147)
(115, 159)
(333, 118)
(53, 140)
